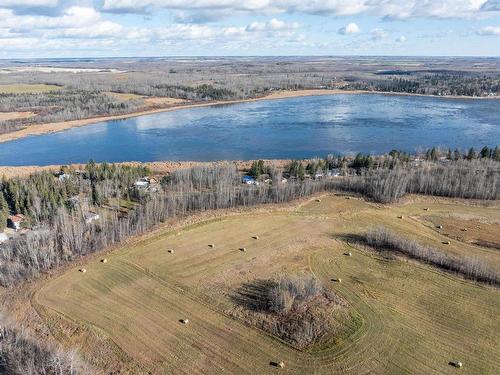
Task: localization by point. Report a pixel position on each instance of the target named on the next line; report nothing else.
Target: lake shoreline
(55, 127)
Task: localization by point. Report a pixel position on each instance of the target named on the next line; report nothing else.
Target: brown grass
(402, 311)
(5, 116)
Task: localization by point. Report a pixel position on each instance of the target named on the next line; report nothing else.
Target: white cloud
(384, 8)
(350, 28)
(401, 39)
(490, 30)
(27, 3)
(272, 25)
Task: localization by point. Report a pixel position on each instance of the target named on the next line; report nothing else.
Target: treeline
(21, 354)
(474, 179)
(431, 83)
(62, 105)
(468, 267)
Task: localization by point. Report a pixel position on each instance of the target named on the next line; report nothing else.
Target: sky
(115, 28)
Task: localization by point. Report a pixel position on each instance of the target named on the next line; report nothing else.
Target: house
(14, 221)
(61, 176)
(90, 217)
(141, 184)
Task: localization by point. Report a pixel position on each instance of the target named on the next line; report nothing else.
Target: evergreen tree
(4, 212)
(485, 152)
(471, 154)
(496, 154)
(257, 168)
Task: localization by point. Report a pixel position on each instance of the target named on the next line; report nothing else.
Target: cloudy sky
(77, 28)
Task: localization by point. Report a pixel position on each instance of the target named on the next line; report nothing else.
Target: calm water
(288, 128)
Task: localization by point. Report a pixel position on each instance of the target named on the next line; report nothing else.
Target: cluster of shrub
(298, 310)
(469, 267)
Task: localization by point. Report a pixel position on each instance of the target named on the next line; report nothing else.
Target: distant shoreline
(55, 127)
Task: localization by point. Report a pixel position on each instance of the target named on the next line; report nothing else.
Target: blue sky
(76, 28)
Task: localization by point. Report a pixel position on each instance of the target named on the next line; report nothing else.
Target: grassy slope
(414, 319)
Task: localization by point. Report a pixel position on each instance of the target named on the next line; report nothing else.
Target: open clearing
(5, 116)
(21, 88)
(125, 313)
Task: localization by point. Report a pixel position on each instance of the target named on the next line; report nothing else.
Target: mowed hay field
(409, 318)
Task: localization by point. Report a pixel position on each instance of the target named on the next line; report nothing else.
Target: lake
(274, 129)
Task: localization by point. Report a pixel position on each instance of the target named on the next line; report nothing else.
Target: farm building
(15, 221)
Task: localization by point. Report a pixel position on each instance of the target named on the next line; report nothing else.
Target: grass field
(21, 88)
(408, 317)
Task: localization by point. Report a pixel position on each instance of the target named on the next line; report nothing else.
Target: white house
(141, 184)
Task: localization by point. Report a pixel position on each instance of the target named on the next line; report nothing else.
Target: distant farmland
(407, 317)
(27, 88)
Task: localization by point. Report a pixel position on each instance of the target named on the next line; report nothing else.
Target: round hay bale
(458, 364)
(104, 260)
(171, 251)
(243, 249)
(339, 280)
(255, 237)
(426, 209)
(281, 364)
(439, 226)
(83, 270)
(349, 254)
(446, 242)
(464, 229)
(401, 217)
(184, 321)
(318, 200)
(211, 245)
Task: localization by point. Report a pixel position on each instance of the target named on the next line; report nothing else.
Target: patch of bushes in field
(298, 310)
